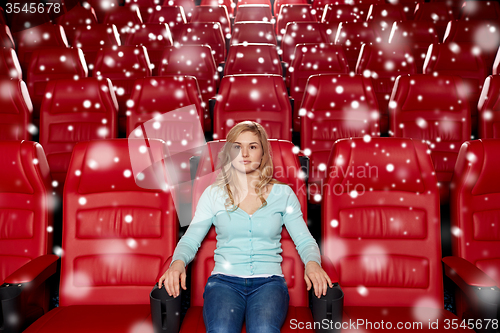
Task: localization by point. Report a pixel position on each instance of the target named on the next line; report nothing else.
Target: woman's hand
(316, 277)
(171, 278)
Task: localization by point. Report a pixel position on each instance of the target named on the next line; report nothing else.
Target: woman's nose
(244, 151)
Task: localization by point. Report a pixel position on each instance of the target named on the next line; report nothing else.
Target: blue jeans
(261, 302)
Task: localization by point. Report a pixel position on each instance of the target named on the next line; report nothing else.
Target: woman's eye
(236, 147)
(253, 147)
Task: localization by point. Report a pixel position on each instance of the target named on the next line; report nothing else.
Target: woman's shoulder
(282, 188)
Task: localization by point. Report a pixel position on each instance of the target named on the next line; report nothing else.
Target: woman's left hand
(316, 277)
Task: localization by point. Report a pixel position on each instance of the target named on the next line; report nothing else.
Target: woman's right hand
(171, 278)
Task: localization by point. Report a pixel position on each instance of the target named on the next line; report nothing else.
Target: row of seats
(380, 234)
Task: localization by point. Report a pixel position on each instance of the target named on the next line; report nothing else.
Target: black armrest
(12, 302)
(329, 309)
(165, 310)
(193, 165)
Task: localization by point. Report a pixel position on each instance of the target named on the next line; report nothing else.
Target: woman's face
(246, 153)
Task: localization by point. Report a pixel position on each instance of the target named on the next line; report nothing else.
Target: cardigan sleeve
(200, 225)
(297, 228)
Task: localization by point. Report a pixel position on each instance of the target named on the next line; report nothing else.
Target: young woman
(248, 208)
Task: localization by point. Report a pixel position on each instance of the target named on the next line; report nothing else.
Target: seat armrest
(165, 310)
(164, 268)
(482, 294)
(35, 271)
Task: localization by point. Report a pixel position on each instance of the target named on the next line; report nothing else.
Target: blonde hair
(228, 173)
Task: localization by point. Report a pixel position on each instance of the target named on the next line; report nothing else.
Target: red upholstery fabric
(15, 110)
(382, 232)
(174, 16)
(253, 12)
(489, 109)
(92, 38)
(116, 237)
(74, 111)
(6, 39)
(187, 5)
(253, 32)
(480, 10)
(52, 64)
(334, 107)
(382, 16)
(213, 14)
(229, 4)
(252, 2)
(417, 35)
(101, 8)
(383, 63)
(26, 205)
(463, 60)
(433, 109)
(437, 12)
(78, 15)
(310, 59)
(122, 65)
(146, 7)
(126, 19)
(253, 59)
(204, 33)
(278, 3)
(294, 13)
(154, 37)
(351, 36)
(303, 32)
(43, 36)
(485, 35)
(362, 7)
(9, 64)
(197, 61)
(474, 208)
(408, 7)
(336, 13)
(261, 98)
(202, 265)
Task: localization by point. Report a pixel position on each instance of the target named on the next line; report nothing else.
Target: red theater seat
(489, 108)
(254, 12)
(92, 38)
(252, 2)
(174, 16)
(261, 98)
(381, 230)
(334, 107)
(78, 15)
(382, 16)
(435, 110)
(74, 111)
(351, 36)
(417, 35)
(52, 64)
(293, 269)
(122, 65)
(294, 13)
(43, 36)
(213, 14)
(126, 19)
(474, 207)
(117, 234)
(9, 64)
(480, 10)
(101, 7)
(195, 60)
(253, 59)
(303, 32)
(187, 5)
(278, 3)
(438, 13)
(384, 63)
(253, 32)
(310, 59)
(408, 6)
(335, 13)
(485, 35)
(146, 7)
(361, 7)
(204, 34)
(459, 59)
(154, 37)
(16, 110)
(230, 5)
(26, 208)
(6, 38)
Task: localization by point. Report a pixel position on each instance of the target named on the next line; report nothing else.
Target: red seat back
(253, 12)
(435, 110)
(489, 109)
(213, 14)
(262, 98)
(278, 3)
(480, 10)
(253, 59)
(102, 7)
(335, 13)
(382, 232)
(6, 39)
(174, 16)
(382, 16)
(437, 12)
(204, 34)
(292, 267)
(16, 110)
(294, 13)
(351, 36)
(187, 5)
(78, 15)
(126, 19)
(9, 64)
(114, 243)
(92, 38)
(253, 32)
